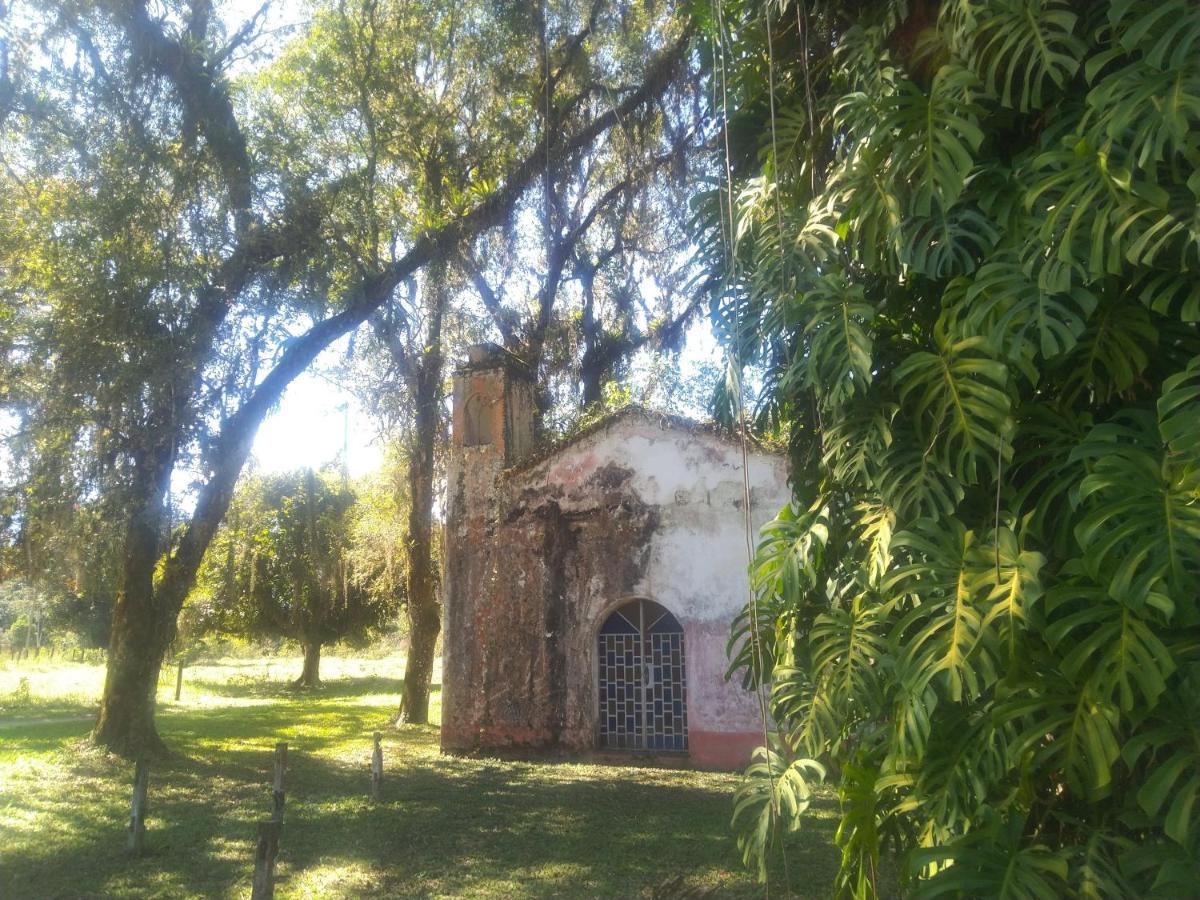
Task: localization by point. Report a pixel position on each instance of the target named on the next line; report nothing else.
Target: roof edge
(664, 420)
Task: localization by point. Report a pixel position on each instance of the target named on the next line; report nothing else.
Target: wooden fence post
(280, 767)
(264, 860)
(137, 814)
(178, 682)
(376, 771)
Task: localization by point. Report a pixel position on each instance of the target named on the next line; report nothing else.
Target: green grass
(447, 826)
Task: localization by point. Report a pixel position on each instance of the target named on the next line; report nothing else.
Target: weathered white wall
(697, 562)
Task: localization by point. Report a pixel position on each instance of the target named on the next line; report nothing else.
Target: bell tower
(491, 429)
(493, 408)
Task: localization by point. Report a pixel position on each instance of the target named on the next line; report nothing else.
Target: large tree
(175, 266)
(961, 242)
(284, 564)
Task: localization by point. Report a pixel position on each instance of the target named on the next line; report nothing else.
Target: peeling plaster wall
(641, 507)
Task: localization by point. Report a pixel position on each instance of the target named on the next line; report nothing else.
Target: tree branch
(232, 445)
(470, 265)
(205, 100)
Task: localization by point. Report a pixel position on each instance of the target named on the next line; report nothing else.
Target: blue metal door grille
(643, 688)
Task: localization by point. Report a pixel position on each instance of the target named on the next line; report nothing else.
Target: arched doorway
(642, 684)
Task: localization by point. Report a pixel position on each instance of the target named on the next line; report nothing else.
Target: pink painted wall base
(722, 751)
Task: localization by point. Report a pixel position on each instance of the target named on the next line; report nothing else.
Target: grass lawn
(447, 826)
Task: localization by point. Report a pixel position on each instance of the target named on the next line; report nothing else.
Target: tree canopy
(961, 242)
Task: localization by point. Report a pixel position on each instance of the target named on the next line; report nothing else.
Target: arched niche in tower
(477, 422)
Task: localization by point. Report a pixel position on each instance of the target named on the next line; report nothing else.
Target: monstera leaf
(871, 205)
(1105, 643)
(931, 138)
(1068, 731)
(943, 635)
(1169, 747)
(946, 244)
(857, 440)
(1046, 472)
(1019, 317)
(1179, 415)
(1009, 588)
(1096, 215)
(915, 484)
(1112, 353)
(847, 642)
(1169, 295)
(785, 575)
(839, 339)
(774, 790)
(1164, 32)
(994, 860)
(875, 525)
(957, 395)
(990, 380)
(966, 756)
(1142, 521)
(1019, 48)
(1120, 101)
(813, 722)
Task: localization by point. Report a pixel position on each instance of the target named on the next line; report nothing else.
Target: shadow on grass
(38, 709)
(446, 825)
(345, 687)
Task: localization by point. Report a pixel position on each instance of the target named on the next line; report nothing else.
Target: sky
(317, 416)
(315, 420)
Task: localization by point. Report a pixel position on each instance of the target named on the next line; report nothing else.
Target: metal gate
(643, 689)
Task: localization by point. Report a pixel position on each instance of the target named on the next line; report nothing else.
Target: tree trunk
(141, 629)
(592, 377)
(311, 674)
(126, 722)
(424, 617)
(424, 625)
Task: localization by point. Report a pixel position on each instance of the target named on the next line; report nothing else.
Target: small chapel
(590, 586)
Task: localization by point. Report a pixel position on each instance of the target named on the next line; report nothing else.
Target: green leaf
(913, 482)
(1047, 474)
(1168, 748)
(958, 398)
(806, 711)
(1068, 730)
(773, 790)
(943, 636)
(846, 643)
(931, 139)
(1113, 351)
(1097, 217)
(1105, 643)
(1119, 104)
(1169, 295)
(1020, 47)
(1024, 320)
(839, 342)
(856, 439)
(1179, 414)
(1009, 588)
(995, 860)
(1142, 522)
(1165, 32)
(945, 244)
